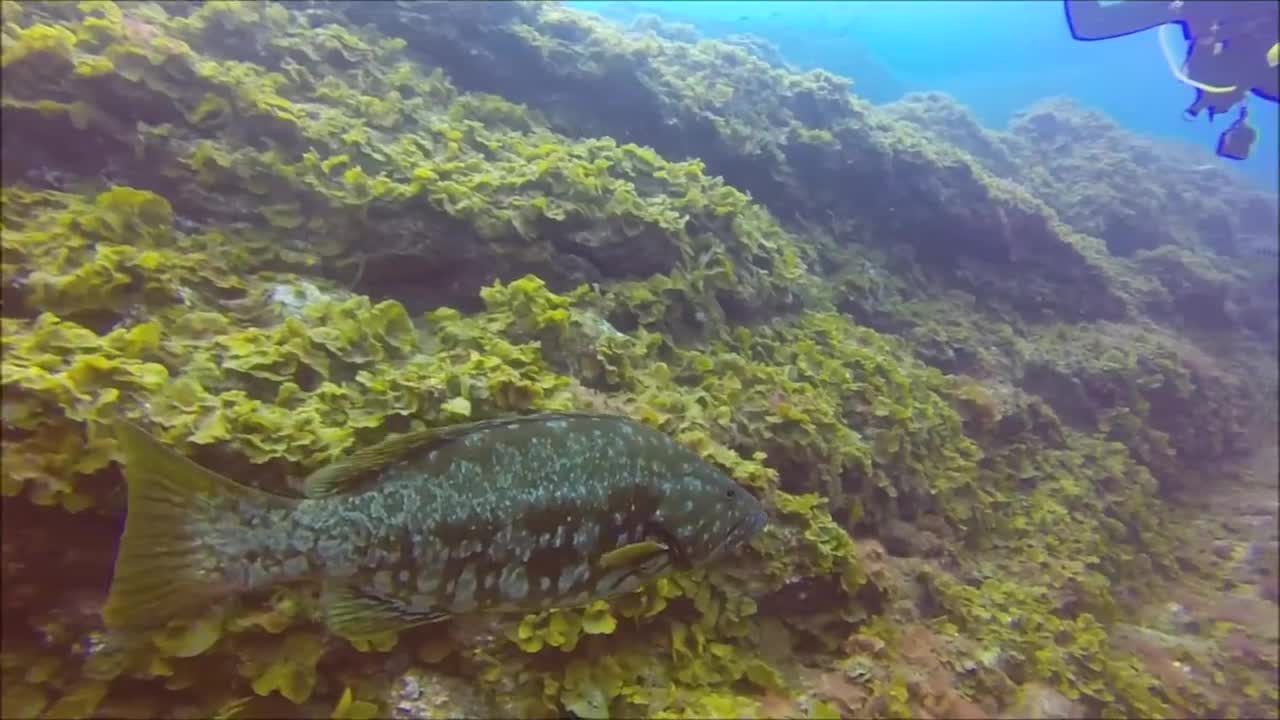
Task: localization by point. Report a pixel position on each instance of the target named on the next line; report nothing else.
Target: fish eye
(730, 492)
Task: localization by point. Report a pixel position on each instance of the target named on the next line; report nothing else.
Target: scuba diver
(1233, 49)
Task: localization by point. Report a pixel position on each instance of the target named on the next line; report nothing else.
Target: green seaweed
(865, 326)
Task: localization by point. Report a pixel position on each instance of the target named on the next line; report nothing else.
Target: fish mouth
(740, 533)
(745, 529)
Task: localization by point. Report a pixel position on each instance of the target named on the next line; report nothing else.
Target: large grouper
(514, 514)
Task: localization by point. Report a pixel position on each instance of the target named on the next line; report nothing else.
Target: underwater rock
(614, 254)
(1269, 587)
(1131, 192)
(1223, 550)
(1181, 619)
(427, 694)
(242, 182)
(1263, 557)
(790, 139)
(1041, 702)
(806, 596)
(942, 116)
(903, 539)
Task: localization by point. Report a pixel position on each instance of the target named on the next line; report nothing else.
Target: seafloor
(1008, 396)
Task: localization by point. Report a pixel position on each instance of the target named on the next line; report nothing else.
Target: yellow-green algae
(222, 316)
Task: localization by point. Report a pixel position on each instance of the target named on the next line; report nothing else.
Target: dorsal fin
(353, 472)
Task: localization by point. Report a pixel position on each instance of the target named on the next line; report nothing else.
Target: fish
(514, 514)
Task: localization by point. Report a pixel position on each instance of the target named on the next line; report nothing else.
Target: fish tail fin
(165, 566)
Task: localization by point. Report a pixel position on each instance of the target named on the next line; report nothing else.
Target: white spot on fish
(578, 575)
(519, 586)
(464, 598)
(565, 582)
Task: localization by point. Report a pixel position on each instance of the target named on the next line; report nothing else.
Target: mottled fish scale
(525, 514)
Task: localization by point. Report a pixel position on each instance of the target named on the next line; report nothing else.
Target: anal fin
(352, 612)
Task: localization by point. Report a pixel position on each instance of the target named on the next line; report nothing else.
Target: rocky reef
(985, 382)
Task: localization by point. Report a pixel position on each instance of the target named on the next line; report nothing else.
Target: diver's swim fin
(1097, 20)
(1237, 141)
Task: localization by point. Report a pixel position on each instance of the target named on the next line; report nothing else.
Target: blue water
(995, 57)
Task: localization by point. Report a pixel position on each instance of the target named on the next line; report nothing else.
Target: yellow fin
(356, 471)
(632, 554)
(352, 613)
(161, 567)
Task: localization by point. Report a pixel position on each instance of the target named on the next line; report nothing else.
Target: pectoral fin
(629, 555)
(352, 612)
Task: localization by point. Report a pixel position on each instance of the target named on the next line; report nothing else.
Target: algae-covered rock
(421, 693)
(1038, 702)
(961, 368)
(800, 143)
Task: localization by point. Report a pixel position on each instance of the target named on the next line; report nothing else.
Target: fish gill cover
(995, 390)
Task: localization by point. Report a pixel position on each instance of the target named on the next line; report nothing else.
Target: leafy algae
(273, 233)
